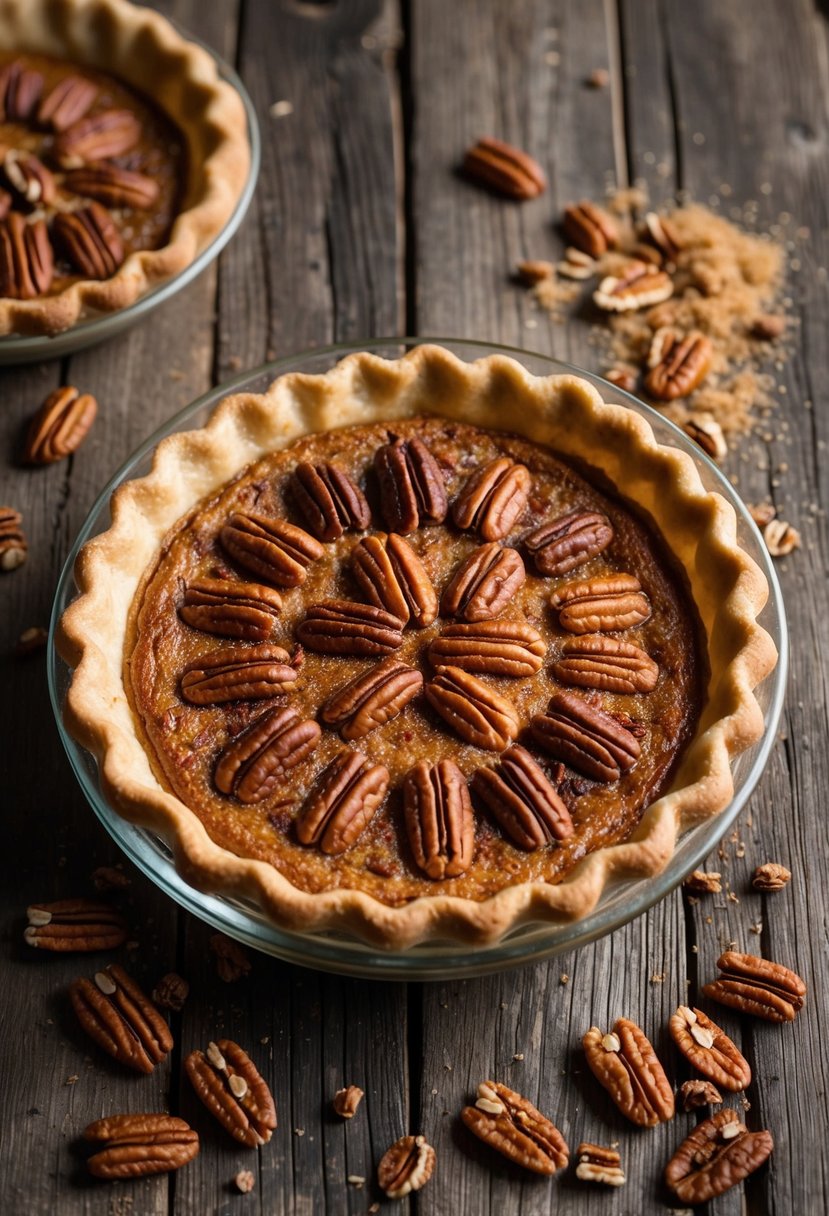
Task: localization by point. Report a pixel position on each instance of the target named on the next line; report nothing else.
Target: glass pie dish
(337, 951)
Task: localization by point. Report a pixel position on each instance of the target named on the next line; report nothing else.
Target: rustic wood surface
(360, 227)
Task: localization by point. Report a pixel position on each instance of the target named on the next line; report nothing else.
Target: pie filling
(415, 660)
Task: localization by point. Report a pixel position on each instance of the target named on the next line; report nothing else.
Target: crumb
(599, 78)
(658, 977)
(72, 1080)
(299, 1131)
(519, 1055)
(564, 978)
(281, 109)
(245, 1181)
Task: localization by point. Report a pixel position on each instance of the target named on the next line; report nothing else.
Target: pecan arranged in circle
(475, 711)
(372, 699)
(571, 540)
(271, 548)
(117, 1015)
(412, 491)
(113, 186)
(134, 1146)
(625, 1063)
(484, 583)
(392, 577)
(589, 228)
(598, 1164)
(101, 136)
(229, 1084)
(439, 819)
(757, 986)
(505, 169)
(717, 1155)
(640, 285)
(594, 660)
(510, 1124)
(236, 674)
(27, 263)
(90, 241)
(709, 1049)
(28, 175)
(677, 364)
(493, 499)
(77, 925)
(330, 501)
(231, 608)
(603, 604)
(341, 806)
(523, 800)
(20, 90)
(585, 737)
(406, 1166)
(252, 765)
(68, 102)
(494, 648)
(60, 425)
(347, 627)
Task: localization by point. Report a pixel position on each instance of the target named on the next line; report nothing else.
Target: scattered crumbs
(299, 1131)
(71, 1080)
(266, 1038)
(375, 1207)
(756, 928)
(434, 1093)
(245, 1181)
(50, 1022)
(744, 1102)
(503, 1005)
(519, 1055)
(355, 1180)
(740, 851)
(448, 1067)
(234, 362)
(658, 977)
(281, 109)
(695, 949)
(175, 374)
(564, 978)
(553, 58)
(732, 898)
(599, 78)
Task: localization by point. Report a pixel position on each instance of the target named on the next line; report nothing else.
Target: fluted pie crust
(563, 413)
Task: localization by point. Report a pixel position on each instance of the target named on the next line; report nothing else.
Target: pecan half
(717, 1155)
(484, 583)
(709, 1049)
(74, 924)
(101, 136)
(229, 1084)
(495, 648)
(585, 737)
(112, 185)
(507, 1122)
(60, 425)
(329, 500)
(372, 699)
(589, 228)
(493, 498)
(781, 538)
(707, 434)
(412, 492)
(758, 987)
(134, 1146)
(27, 263)
(67, 103)
(523, 800)
(13, 543)
(662, 234)
(505, 169)
(682, 365)
(232, 961)
(693, 1094)
(770, 877)
(639, 286)
(20, 89)
(625, 1063)
(271, 548)
(347, 1100)
(347, 794)
(703, 882)
(439, 819)
(474, 711)
(594, 660)
(236, 674)
(171, 992)
(346, 627)
(406, 1166)
(253, 764)
(231, 609)
(598, 1164)
(598, 605)
(90, 240)
(392, 576)
(117, 1015)
(29, 177)
(562, 544)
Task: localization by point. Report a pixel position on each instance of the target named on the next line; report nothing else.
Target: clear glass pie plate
(345, 954)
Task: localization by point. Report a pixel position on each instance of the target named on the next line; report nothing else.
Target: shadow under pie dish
(551, 714)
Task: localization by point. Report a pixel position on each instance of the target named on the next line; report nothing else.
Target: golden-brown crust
(143, 49)
(562, 412)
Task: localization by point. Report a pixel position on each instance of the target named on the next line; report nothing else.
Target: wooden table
(360, 227)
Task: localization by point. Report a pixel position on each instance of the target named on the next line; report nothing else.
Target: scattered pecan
(101, 136)
(110, 878)
(662, 234)
(719, 1153)
(598, 1164)
(589, 228)
(134, 1146)
(67, 103)
(343, 802)
(768, 327)
(27, 174)
(31, 640)
(493, 499)
(693, 1094)
(406, 1166)
(709, 1049)
(439, 819)
(228, 1083)
(584, 736)
(20, 89)
(476, 712)
(412, 492)
(329, 500)
(60, 425)
(238, 674)
(577, 265)
(245, 1181)
(707, 433)
(231, 608)
(594, 660)
(681, 366)
(562, 544)
(392, 577)
(758, 987)
(27, 263)
(703, 882)
(117, 1015)
(770, 877)
(495, 648)
(505, 169)
(171, 992)
(781, 538)
(346, 627)
(13, 543)
(79, 925)
(89, 240)
(232, 961)
(507, 1122)
(271, 548)
(639, 286)
(607, 603)
(762, 513)
(625, 1063)
(347, 1100)
(523, 800)
(530, 272)
(255, 761)
(372, 699)
(113, 186)
(484, 583)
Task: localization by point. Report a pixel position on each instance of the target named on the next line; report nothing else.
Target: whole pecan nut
(709, 1049)
(89, 240)
(439, 819)
(13, 543)
(484, 583)
(758, 987)
(585, 737)
(229, 1084)
(231, 608)
(562, 544)
(678, 365)
(505, 169)
(347, 1100)
(639, 286)
(237, 674)
(496, 648)
(29, 177)
(372, 699)
(78, 925)
(594, 660)
(523, 800)
(392, 577)
(597, 605)
(117, 1015)
(474, 711)
(134, 1146)
(101, 136)
(493, 499)
(253, 764)
(68, 102)
(507, 1122)
(589, 228)
(272, 548)
(625, 1063)
(113, 186)
(719, 1153)
(598, 1164)
(20, 89)
(693, 1094)
(347, 627)
(27, 263)
(412, 491)
(60, 425)
(343, 802)
(329, 500)
(406, 1166)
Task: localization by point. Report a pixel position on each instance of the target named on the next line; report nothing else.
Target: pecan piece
(679, 365)
(770, 877)
(639, 286)
(439, 819)
(625, 1063)
(523, 800)
(252, 764)
(231, 608)
(20, 89)
(693, 1094)
(236, 674)
(112, 185)
(347, 1100)
(598, 1164)
(493, 498)
(90, 241)
(571, 540)
(60, 425)
(392, 576)
(271, 548)
(412, 492)
(585, 737)
(134, 1146)
(484, 583)
(781, 538)
(347, 794)
(68, 102)
(229, 1084)
(27, 263)
(758, 987)
(101, 136)
(594, 660)
(406, 1166)
(532, 271)
(589, 228)
(474, 711)
(707, 434)
(703, 882)
(372, 699)
(709, 1049)
(74, 924)
(719, 1153)
(330, 502)
(661, 233)
(506, 1121)
(13, 543)
(171, 992)
(505, 169)
(597, 605)
(496, 648)
(31, 641)
(117, 1015)
(232, 961)
(346, 627)
(29, 177)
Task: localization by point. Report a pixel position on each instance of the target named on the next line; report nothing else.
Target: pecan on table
(475, 711)
(625, 1063)
(68, 102)
(523, 800)
(348, 627)
(231, 1087)
(607, 603)
(704, 882)
(781, 538)
(347, 1100)
(329, 500)
(255, 761)
(412, 490)
(60, 425)
(272, 548)
(585, 737)
(709, 1049)
(506, 1121)
(171, 992)
(20, 90)
(27, 263)
(677, 364)
(29, 177)
(758, 987)
(562, 544)
(770, 877)
(662, 234)
(495, 648)
(101, 136)
(81, 925)
(505, 169)
(439, 819)
(406, 1166)
(493, 499)
(231, 608)
(639, 286)
(693, 1094)
(89, 240)
(134, 1146)
(594, 660)
(589, 228)
(343, 802)
(391, 576)
(707, 434)
(232, 960)
(719, 1153)
(372, 699)
(484, 583)
(598, 1164)
(113, 186)
(117, 1015)
(13, 543)
(235, 673)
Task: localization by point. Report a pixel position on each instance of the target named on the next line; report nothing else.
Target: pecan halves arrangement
(101, 136)
(271, 548)
(372, 699)
(343, 802)
(68, 102)
(237, 674)
(406, 1166)
(29, 177)
(348, 627)
(504, 168)
(60, 425)
(640, 285)
(20, 90)
(27, 263)
(251, 765)
(134, 1146)
(412, 490)
(117, 1015)
(229, 1084)
(718, 1154)
(77, 925)
(709, 1049)
(562, 544)
(113, 186)
(439, 819)
(758, 987)
(495, 648)
(603, 604)
(585, 737)
(231, 608)
(625, 1063)
(524, 801)
(493, 499)
(329, 500)
(484, 583)
(392, 577)
(509, 1123)
(607, 664)
(474, 711)
(89, 240)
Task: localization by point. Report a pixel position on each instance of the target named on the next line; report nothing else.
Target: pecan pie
(384, 667)
(122, 154)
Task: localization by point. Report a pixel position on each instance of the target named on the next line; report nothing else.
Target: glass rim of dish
(335, 951)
